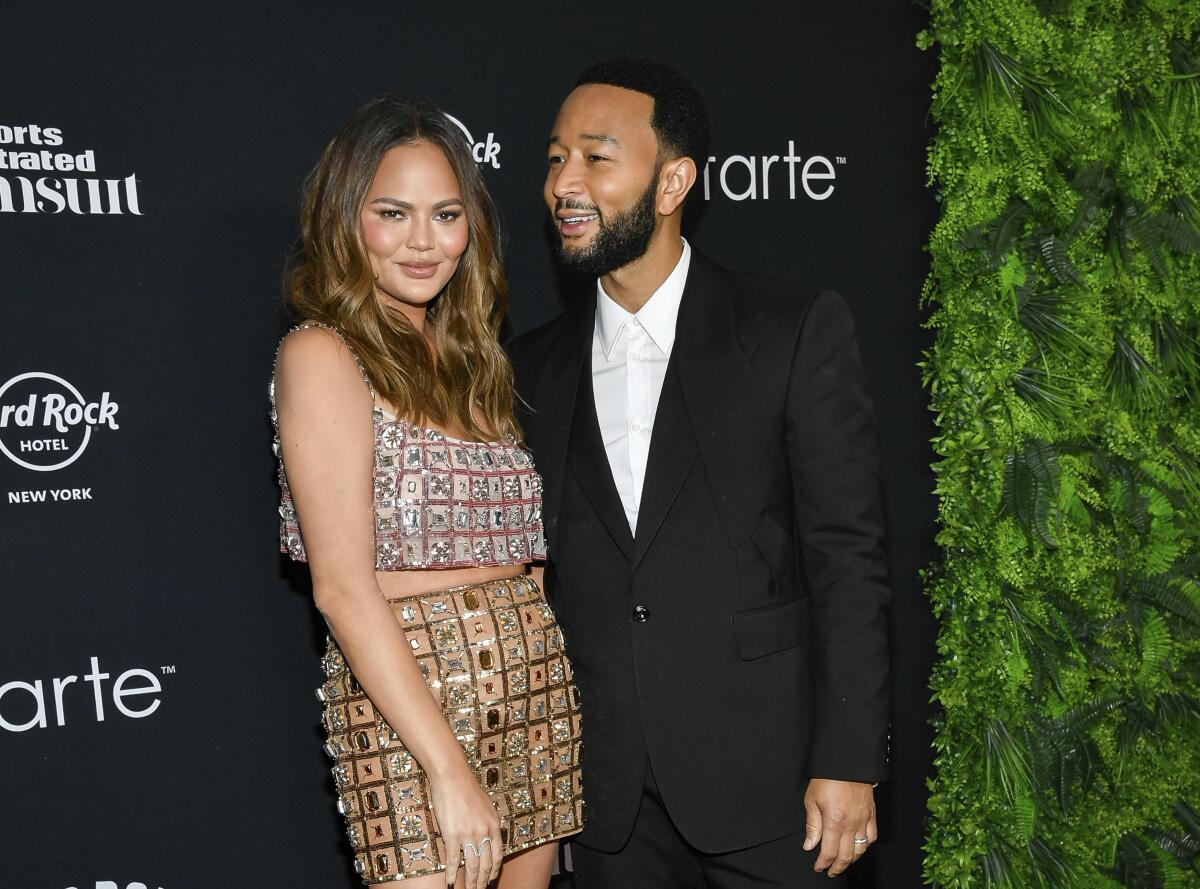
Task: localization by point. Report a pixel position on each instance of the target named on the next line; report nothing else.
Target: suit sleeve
(833, 450)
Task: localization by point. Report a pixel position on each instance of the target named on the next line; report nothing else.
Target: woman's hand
(469, 825)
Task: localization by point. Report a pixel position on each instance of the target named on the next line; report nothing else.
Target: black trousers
(657, 857)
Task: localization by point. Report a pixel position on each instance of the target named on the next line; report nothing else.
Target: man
(714, 518)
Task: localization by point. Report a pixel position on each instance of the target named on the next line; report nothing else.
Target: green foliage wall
(1065, 286)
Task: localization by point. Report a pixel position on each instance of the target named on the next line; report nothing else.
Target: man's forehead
(600, 109)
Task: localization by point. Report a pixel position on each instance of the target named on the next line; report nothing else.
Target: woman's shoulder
(313, 352)
(313, 336)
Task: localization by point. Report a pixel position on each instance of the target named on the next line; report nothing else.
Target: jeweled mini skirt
(492, 655)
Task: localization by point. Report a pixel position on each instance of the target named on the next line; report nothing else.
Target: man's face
(602, 178)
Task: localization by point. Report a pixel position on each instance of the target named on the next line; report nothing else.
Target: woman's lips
(419, 269)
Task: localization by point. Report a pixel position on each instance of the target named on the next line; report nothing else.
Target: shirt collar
(657, 316)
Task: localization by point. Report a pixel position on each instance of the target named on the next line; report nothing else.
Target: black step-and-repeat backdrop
(157, 721)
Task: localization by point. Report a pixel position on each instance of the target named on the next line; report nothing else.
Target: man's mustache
(570, 204)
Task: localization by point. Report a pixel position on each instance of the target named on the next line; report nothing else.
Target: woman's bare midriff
(415, 581)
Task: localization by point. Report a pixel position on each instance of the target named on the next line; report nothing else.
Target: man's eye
(554, 159)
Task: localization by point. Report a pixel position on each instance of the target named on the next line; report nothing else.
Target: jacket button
(641, 613)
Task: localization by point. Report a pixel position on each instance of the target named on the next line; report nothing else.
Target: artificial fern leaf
(1051, 867)
(1031, 488)
(1177, 845)
(1129, 378)
(1007, 230)
(1175, 707)
(1142, 116)
(1005, 760)
(1179, 352)
(1163, 593)
(1053, 396)
(1156, 643)
(1054, 254)
(1025, 809)
(1137, 867)
(999, 870)
(1095, 185)
(1050, 319)
(1175, 232)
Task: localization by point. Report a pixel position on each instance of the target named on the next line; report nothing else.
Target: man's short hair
(680, 118)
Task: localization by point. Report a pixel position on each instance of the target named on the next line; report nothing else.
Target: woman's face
(414, 225)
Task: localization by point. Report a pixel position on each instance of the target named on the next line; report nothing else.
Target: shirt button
(636, 356)
(636, 427)
(641, 613)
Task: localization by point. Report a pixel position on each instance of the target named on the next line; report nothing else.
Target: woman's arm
(326, 436)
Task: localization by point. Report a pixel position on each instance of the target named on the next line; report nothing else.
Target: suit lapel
(720, 394)
(672, 452)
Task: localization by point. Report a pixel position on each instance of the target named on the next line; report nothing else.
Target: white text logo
(45, 422)
(17, 696)
(747, 177)
(485, 151)
(24, 151)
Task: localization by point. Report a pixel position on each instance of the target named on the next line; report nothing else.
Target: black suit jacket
(738, 643)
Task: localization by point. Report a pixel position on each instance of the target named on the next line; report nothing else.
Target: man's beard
(618, 242)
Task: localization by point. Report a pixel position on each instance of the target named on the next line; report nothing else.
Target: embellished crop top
(439, 502)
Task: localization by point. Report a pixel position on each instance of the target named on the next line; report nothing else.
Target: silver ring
(861, 841)
(483, 843)
(470, 846)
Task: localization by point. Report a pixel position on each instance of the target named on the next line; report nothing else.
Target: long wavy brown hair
(330, 278)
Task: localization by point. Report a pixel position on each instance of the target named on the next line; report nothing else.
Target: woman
(449, 706)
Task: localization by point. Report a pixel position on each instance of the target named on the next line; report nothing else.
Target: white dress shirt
(629, 363)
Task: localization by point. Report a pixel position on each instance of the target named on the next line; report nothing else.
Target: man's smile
(573, 223)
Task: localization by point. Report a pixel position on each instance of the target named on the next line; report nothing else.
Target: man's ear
(675, 180)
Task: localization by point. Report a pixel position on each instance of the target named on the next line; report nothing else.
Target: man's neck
(632, 285)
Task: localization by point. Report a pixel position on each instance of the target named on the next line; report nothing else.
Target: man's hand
(839, 812)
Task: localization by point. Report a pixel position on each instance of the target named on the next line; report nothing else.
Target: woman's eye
(392, 214)
(449, 215)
